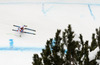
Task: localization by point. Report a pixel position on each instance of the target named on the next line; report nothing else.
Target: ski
(30, 29)
(25, 28)
(14, 30)
(29, 33)
(16, 26)
(25, 32)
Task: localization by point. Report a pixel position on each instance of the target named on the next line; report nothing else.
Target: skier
(20, 29)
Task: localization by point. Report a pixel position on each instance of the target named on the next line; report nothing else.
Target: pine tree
(46, 54)
(81, 51)
(98, 36)
(86, 54)
(54, 52)
(93, 43)
(98, 41)
(37, 60)
(77, 51)
(71, 45)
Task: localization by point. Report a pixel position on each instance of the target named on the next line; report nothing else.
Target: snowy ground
(45, 17)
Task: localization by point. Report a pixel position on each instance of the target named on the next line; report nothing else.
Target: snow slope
(45, 17)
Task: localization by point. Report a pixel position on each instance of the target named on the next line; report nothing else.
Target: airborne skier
(21, 29)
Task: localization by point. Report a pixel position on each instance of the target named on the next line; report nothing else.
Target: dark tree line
(77, 50)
